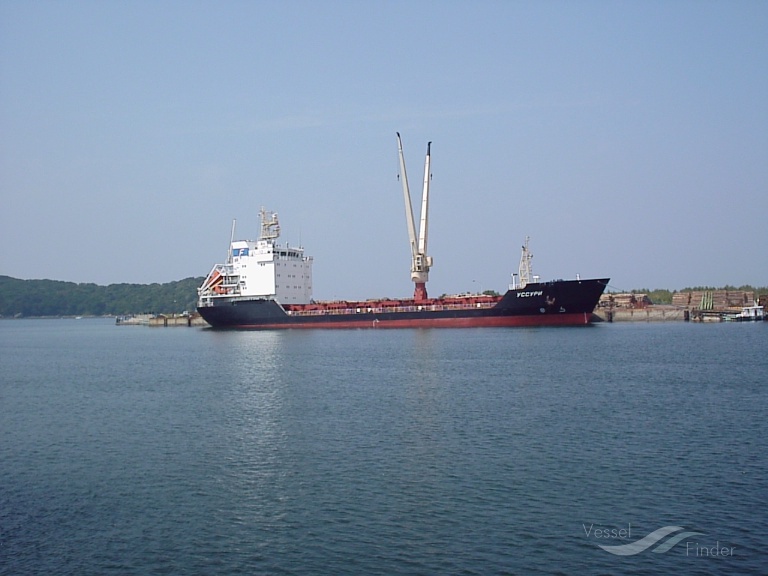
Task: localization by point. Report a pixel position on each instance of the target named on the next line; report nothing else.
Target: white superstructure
(261, 269)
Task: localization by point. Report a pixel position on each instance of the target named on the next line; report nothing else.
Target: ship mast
(420, 262)
(231, 241)
(525, 269)
(270, 226)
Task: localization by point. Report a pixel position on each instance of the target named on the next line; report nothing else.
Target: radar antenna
(270, 227)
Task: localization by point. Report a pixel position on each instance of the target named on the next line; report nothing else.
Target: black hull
(561, 302)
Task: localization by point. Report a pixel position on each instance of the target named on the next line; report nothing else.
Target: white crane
(420, 262)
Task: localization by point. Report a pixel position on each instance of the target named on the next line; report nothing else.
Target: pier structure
(692, 305)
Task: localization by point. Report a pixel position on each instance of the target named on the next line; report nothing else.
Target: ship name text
(529, 294)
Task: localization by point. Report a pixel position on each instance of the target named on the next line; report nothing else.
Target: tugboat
(754, 313)
(264, 285)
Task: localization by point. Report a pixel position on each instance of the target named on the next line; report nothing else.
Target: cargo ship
(266, 285)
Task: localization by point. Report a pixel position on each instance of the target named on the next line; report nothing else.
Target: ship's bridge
(266, 269)
(261, 269)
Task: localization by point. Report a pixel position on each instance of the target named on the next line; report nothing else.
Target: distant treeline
(20, 298)
(661, 296)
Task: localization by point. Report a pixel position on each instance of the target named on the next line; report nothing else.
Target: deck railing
(390, 309)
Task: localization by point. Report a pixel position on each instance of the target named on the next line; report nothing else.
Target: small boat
(752, 313)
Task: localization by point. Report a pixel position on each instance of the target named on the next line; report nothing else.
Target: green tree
(55, 298)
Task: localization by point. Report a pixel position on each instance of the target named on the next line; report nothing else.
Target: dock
(164, 320)
(648, 313)
(690, 306)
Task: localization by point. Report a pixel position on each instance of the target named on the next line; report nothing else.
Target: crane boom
(420, 262)
(424, 206)
(407, 196)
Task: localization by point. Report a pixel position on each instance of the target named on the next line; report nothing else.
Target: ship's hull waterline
(558, 303)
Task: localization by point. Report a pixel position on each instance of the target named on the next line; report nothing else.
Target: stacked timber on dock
(713, 299)
(695, 305)
(625, 300)
(713, 305)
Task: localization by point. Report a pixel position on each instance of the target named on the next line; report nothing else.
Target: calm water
(134, 450)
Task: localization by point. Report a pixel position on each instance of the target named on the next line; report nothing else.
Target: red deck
(576, 319)
(345, 306)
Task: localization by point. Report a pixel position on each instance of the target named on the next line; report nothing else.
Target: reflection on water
(135, 450)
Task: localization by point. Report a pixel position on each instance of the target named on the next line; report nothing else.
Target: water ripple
(405, 452)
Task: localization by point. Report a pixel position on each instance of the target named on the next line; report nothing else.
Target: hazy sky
(627, 139)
